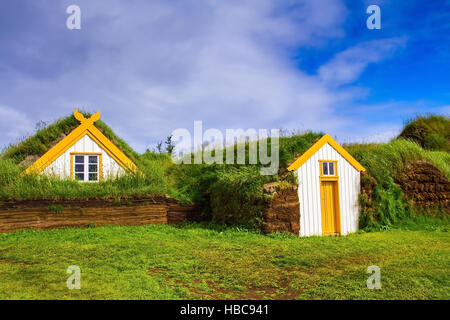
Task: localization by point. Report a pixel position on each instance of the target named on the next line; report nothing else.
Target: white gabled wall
(309, 193)
(61, 166)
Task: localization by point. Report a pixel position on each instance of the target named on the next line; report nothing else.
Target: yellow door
(330, 210)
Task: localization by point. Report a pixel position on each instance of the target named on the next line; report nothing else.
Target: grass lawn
(165, 262)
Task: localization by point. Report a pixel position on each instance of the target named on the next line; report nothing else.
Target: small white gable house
(328, 188)
(85, 155)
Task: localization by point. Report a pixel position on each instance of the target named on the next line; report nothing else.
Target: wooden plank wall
(41, 214)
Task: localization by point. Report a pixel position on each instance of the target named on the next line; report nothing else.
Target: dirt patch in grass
(284, 292)
(156, 270)
(216, 289)
(19, 263)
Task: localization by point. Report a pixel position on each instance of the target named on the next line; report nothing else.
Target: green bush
(431, 132)
(388, 208)
(236, 197)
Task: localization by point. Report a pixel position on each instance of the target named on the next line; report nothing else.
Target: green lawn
(164, 262)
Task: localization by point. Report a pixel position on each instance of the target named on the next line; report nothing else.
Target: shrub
(431, 132)
(236, 198)
(388, 207)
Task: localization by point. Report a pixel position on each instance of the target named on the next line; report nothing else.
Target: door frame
(337, 205)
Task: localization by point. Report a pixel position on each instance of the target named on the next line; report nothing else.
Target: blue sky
(151, 67)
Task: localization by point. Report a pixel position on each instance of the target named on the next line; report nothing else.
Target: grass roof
(45, 138)
(431, 132)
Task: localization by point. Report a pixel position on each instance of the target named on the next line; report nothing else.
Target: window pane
(79, 159)
(79, 176)
(92, 159)
(93, 177)
(325, 168)
(331, 168)
(79, 168)
(92, 168)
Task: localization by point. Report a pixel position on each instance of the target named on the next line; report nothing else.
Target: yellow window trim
(328, 177)
(319, 144)
(86, 127)
(100, 163)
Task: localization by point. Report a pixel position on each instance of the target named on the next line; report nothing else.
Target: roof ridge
(319, 144)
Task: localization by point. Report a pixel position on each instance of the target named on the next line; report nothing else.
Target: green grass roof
(431, 132)
(45, 138)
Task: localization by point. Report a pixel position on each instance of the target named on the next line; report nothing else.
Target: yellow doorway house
(328, 187)
(85, 155)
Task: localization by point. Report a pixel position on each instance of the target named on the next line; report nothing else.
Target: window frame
(335, 176)
(86, 164)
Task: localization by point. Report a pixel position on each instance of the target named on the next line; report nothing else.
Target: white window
(86, 167)
(328, 168)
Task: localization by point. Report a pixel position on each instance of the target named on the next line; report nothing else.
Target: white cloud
(372, 134)
(348, 65)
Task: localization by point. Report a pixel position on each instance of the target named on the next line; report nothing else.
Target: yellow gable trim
(86, 127)
(319, 144)
(111, 149)
(43, 162)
